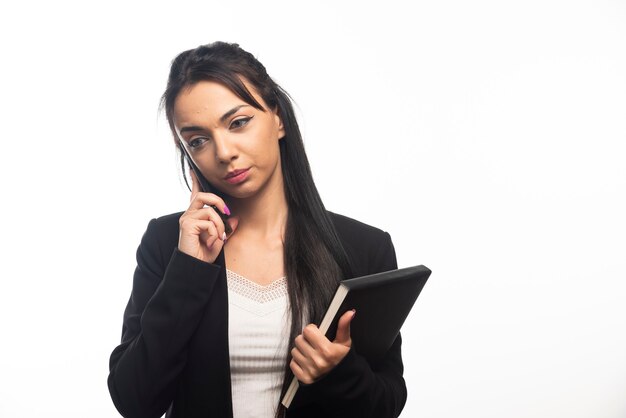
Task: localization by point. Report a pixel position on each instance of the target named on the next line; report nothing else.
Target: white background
(487, 137)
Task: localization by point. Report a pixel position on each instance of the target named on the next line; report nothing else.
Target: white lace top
(258, 334)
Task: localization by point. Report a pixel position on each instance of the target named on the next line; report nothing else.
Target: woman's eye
(239, 123)
(196, 142)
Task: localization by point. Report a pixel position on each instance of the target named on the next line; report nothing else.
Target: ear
(281, 128)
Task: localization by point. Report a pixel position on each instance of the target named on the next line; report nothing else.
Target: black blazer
(174, 356)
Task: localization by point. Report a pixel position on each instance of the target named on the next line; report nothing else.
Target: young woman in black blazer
(239, 129)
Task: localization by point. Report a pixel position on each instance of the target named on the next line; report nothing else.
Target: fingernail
(226, 210)
(223, 236)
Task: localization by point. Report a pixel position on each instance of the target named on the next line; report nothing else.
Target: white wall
(487, 137)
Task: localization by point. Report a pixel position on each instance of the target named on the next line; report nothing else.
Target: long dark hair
(314, 258)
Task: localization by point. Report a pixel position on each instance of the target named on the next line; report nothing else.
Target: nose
(225, 149)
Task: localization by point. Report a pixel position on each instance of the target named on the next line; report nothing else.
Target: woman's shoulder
(343, 224)
(350, 227)
(165, 229)
(169, 219)
(356, 236)
(370, 248)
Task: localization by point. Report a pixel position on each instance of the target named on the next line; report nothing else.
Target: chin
(240, 192)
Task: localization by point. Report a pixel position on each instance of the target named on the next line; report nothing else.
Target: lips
(237, 176)
(235, 173)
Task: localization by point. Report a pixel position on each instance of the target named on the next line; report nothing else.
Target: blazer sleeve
(166, 305)
(356, 388)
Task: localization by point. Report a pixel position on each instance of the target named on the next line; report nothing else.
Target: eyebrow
(223, 119)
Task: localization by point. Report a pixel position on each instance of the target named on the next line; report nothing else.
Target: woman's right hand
(202, 233)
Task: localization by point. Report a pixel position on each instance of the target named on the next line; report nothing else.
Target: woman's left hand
(315, 355)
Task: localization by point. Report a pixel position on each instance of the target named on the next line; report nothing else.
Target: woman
(198, 337)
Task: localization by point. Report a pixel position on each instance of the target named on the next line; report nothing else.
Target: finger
(304, 346)
(307, 365)
(207, 229)
(299, 373)
(210, 214)
(343, 328)
(201, 199)
(197, 226)
(207, 233)
(195, 185)
(300, 358)
(314, 337)
(210, 242)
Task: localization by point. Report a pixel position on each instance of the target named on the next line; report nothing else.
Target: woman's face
(224, 134)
